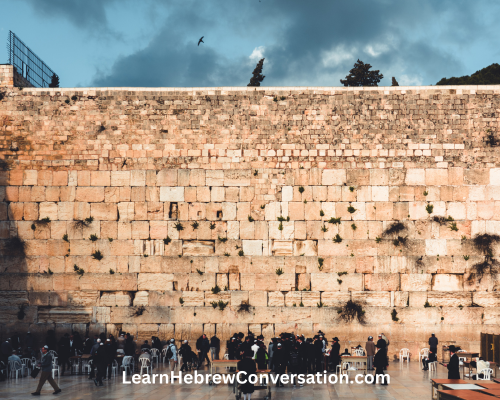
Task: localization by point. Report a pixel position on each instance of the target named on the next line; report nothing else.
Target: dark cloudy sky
(304, 42)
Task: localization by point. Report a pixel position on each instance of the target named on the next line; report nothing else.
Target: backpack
(294, 359)
(170, 353)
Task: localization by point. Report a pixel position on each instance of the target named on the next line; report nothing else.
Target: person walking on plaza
(171, 353)
(46, 373)
(203, 347)
(185, 353)
(370, 353)
(433, 343)
(454, 364)
(100, 360)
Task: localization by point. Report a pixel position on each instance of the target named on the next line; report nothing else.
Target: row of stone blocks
(178, 178)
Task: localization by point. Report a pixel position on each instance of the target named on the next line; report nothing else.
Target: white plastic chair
(433, 366)
(53, 353)
(404, 353)
(424, 353)
(114, 368)
(164, 355)
(145, 364)
(155, 355)
(486, 374)
(55, 368)
(128, 363)
(15, 367)
(87, 367)
(26, 364)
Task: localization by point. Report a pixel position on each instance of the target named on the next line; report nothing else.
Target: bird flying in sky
(201, 40)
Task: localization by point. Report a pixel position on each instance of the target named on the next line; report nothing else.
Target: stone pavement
(407, 382)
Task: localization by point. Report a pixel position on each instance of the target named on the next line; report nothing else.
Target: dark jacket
(453, 367)
(335, 354)
(379, 362)
(46, 363)
(247, 365)
(432, 357)
(203, 345)
(214, 342)
(185, 352)
(280, 360)
(433, 342)
(261, 358)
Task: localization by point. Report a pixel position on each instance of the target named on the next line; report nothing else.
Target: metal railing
(27, 63)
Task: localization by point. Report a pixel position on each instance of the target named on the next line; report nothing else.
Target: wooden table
(462, 395)
(221, 363)
(493, 366)
(354, 359)
(437, 384)
(488, 385)
(492, 392)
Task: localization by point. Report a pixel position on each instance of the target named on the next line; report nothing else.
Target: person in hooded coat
(380, 362)
(247, 365)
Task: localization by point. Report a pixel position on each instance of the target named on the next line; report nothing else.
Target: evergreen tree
(394, 82)
(54, 82)
(257, 77)
(486, 76)
(361, 76)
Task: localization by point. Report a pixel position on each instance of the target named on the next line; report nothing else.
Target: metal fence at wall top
(27, 63)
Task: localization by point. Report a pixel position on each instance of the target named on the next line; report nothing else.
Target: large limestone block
(238, 297)
(203, 282)
(449, 299)
(305, 248)
(198, 248)
(415, 177)
(435, 247)
(252, 247)
(65, 315)
(237, 177)
(162, 282)
(293, 299)
(282, 247)
(447, 282)
(329, 282)
(120, 178)
(89, 194)
(214, 177)
(310, 299)
(108, 282)
(172, 194)
(276, 299)
(330, 248)
(382, 282)
(15, 298)
(485, 299)
(112, 299)
(373, 299)
(416, 282)
(258, 298)
(333, 177)
(193, 299)
(104, 212)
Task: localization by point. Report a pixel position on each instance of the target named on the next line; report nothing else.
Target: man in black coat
(454, 364)
(203, 347)
(100, 360)
(382, 344)
(110, 353)
(433, 343)
(318, 354)
(214, 347)
(380, 362)
(185, 352)
(335, 354)
(280, 361)
(432, 357)
(64, 353)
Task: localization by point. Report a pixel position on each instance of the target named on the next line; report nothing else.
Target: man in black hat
(454, 364)
(335, 354)
(433, 343)
(280, 361)
(380, 362)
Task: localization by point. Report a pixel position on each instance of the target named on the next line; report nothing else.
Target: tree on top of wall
(54, 83)
(257, 77)
(360, 75)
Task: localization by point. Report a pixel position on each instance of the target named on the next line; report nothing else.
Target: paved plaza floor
(408, 381)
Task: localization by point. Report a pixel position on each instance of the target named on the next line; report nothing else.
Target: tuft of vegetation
(339, 281)
(426, 193)
(97, 255)
(227, 254)
(93, 238)
(301, 304)
(65, 237)
(250, 218)
(181, 301)
(111, 271)
(282, 98)
(351, 188)
(80, 224)
(167, 240)
(394, 315)
(33, 227)
(320, 263)
(79, 271)
(453, 226)
(216, 289)
(74, 98)
(110, 240)
(282, 219)
(337, 238)
(50, 272)
(394, 229)
(321, 213)
(139, 311)
(334, 221)
(200, 272)
(241, 253)
(400, 241)
(262, 206)
(275, 99)
(244, 306)
(439, 219)
(354, 227)
(378, 239)
(221, 304)
(279, 271)
(342, 273)
(212, 225)
(280, 226)
(301, 189)
(195, 225)
(466, 258)
(429, 208)
(255, 173)
(350, 311)
(21, 313)
(324, 228)
(320, 304)
(178, 226)
(426, 305)
(351, 209)
(43, 221)
(222, 239)
(484, 243)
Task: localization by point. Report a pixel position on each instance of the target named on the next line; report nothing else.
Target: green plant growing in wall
(426, 193)
(351, 188)
(280, 226)
(324, 228)
(50, 272)
(200, 272)
(93, 238)
(216, 289)
(394, 315)
(97, 255)
(79, 271)
(429, 208)
(212, 225)
(320, 304)
(279, 271)
(65, 237)
(354, 227)
(222, 239)
(195, 225)
(181, 301)
(337, 238)
(301, 304)
(250, 218)
(321, 213)
(334, 221)
(350, 311)
(33, 227)
(222, 304)
(339, 281)
(301, 189)
(111, 271)
(241, 253)
(426, 304)
(351, 209)
(320, 263)
(167, 240)
(342, 273)
(378, 239)
(262, 206)
(255, 173)
(178, 226)
(453, 226)
(466, 258)
(226, 254)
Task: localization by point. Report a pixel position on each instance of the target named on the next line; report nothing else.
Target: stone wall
(227, 163)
